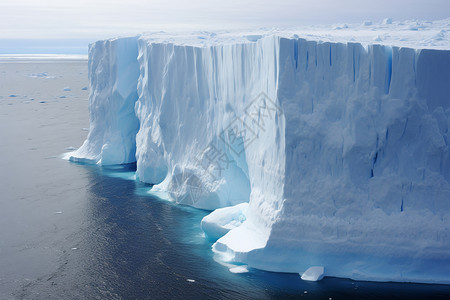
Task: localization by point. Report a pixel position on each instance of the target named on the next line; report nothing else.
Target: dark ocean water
(72, 231)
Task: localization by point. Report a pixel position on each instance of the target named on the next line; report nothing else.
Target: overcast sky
(103, 19)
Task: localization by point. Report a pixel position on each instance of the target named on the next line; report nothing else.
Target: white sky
(102, 19)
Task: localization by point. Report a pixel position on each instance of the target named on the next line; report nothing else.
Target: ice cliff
(341, 149)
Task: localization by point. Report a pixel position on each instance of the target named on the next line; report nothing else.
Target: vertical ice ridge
(322, 189)
(202, 92)
(113, 73)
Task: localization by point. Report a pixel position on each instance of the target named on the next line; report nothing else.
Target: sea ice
(239, 269)
(42, 75)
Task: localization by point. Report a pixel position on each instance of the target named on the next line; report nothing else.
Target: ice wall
(191, 107)
(340, 149)
(113, 74)
(366, 191)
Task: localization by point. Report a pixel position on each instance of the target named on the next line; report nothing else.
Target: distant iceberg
(340, 149)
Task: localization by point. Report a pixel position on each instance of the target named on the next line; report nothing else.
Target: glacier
(312, 152)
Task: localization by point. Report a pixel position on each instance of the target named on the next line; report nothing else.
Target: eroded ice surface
(337, 139)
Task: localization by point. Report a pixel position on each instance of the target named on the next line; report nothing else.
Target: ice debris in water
(313, 274)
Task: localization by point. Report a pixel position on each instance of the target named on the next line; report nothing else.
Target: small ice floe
(42, 101)
(239, 269)
(71, 148)
(84, 88)
(74, 248)
(58, 212)
(313, 274)
(67, 89)
(13, 96)
(41, 75)
(367, 23)
(85, 129)
(190, 280)
(62, 97)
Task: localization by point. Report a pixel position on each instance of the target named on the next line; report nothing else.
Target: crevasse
(341, 150)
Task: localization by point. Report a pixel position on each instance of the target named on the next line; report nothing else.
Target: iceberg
(315, 151)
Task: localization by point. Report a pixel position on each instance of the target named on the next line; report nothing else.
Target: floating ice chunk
(62, 97)
(71, 148)
(41, 75)
(313, 274)
(190, 280)
(58, 212)
(219, 222)
(67, 89)
(13, 96)
(367, 23)
(85, 129)
(42, 101)
(74, 248)
(84, 88)
(239, 269)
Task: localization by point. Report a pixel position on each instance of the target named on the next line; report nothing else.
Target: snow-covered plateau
(317, 146)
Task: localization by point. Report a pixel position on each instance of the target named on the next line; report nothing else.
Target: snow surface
(338, 139)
